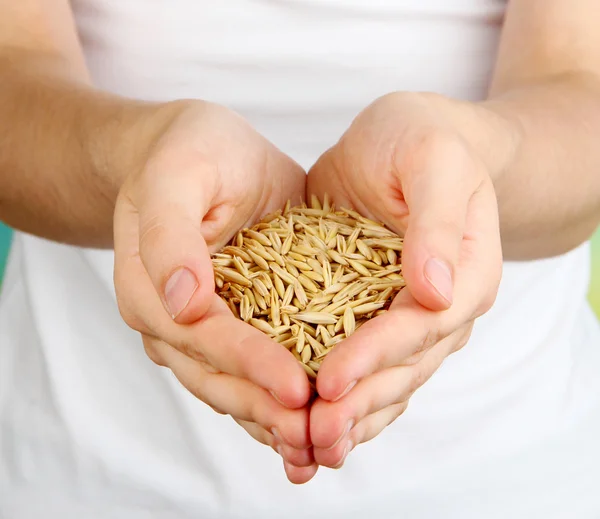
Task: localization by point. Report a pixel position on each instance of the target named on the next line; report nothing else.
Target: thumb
(173, 249)
(437, 194)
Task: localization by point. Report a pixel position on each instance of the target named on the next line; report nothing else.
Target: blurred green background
(4, 244)
(594, 289)
(595, 286)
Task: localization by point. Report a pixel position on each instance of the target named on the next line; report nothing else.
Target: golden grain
(233, 275)
(315, 276)
(315, 318)
(263, 326)
(300, 294)
(310, 277)
(348, 321)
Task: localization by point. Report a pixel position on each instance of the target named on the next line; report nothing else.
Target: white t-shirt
(90, 428)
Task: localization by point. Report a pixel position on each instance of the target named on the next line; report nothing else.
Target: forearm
(549, 189)
(539, 128)
(65, 149)
(540, 146)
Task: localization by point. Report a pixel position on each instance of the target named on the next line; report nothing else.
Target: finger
(300, 475)
(378, 344)
(181, 273)
(130, 277)
(480, 269)
(171, 204)
(372, 425)
(238, 397)
(439, 177)
(408, 329)
(386, 341)
(223, 341)
(139, 304)
(234, 347)
(296, 457)
(365, 430)
(260, 434)
(330, 421)
(299, 465)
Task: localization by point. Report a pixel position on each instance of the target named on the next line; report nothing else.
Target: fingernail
(280, 450)
(439, 274)
(348, 428)
(345, 455)
(179, 290)
(346, 391)
(276, 397)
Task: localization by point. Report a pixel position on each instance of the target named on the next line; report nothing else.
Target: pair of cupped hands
(210, 174)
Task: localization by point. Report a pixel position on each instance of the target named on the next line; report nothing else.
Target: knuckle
(414, 358)
(217, 410)
(417, 379)
(198, 388)
(202, 387)
(192, 351)
(396, 411)
(461, 343)
(256, 414)
(128, 314)
(125, 302)
(464, 338)
(153, 352)
(486, 303)
(490, 294)
(431, 338)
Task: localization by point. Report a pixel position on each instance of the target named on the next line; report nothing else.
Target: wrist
(500, 140)
(122, 138)
(494, 135)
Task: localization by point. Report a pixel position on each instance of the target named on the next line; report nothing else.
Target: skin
(164, 185)
(465, 182)
(192, 195)
(433, 168)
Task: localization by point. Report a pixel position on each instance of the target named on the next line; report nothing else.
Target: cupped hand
(208, 175)
(403, 163)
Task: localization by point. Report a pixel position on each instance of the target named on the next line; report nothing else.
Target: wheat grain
(300, 295)
(316, 318)
(310, 372)
(348, 322)
(309, 277)
(367, 308)
(306, 354)
(263, 326)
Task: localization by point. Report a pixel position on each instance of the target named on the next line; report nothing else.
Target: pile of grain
(310, 277)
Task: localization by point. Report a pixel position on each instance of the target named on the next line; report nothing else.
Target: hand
(402, 163)
(208, 175)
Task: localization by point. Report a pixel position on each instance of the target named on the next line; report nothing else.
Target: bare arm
(539, 131)
(64, 146)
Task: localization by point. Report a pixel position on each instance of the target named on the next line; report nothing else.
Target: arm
(72, 157)
(435, 170)
(64, 147)
(539, 130)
